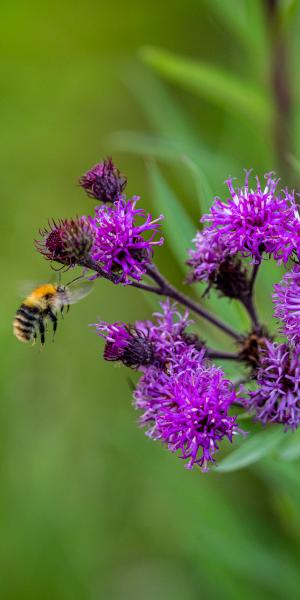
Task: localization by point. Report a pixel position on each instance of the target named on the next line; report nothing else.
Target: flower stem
(249, 306)
(248, 300)
(147, 288)
(253, 277)
(164, 288)
(215, 354)
(89, 264)
(167, 289)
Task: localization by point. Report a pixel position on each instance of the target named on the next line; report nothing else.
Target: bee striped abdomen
(25, 322)
(42, 306)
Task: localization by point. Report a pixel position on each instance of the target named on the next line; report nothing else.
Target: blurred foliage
(89, 508)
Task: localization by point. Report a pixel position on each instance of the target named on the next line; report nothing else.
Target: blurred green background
(89, 507)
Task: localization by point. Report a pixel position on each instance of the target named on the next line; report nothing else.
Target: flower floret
(120, 245)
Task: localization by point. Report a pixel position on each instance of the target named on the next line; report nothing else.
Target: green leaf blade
(178, 225)
(251, 451)
(214, 84)
(291, 450)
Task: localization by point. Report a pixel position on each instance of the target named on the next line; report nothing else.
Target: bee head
(61, 289)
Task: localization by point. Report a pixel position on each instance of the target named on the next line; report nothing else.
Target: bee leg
(62, 311)
(68, 307)
(52, 316)
(42, 330)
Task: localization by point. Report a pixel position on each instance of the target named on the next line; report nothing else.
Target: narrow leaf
(170, 150)
(212, 83)
(287, 11)
(203, 188)
(245, 20)
(178, 225)
(291, 450)
(294, 162)
(163, 111)
(254, 448)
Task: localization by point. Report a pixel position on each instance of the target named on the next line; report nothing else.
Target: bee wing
(78, 291)
(24, 288)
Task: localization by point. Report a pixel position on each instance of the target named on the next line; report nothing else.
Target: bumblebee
(42, 305)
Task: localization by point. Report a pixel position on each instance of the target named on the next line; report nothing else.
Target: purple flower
(186, 407)
(209, 253)
(253, 221)
(103, 182)
(120, 246)
(167, 331)
(127, 344)
(68, 241)
(157, 342)
(287, 304)
(277, 399)
(211, 261)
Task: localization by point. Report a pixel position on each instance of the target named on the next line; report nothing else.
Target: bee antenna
(76, 279)
(57, 270)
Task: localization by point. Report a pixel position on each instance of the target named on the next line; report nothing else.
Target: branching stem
(249, 306)
(167, 289)
(164, 288)
(215, 354)
(253, 277)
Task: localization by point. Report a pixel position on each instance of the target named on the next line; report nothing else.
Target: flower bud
(69, 241)
(104, 182)
(127, 344)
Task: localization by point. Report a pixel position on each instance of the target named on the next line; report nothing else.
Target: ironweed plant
(185, 400)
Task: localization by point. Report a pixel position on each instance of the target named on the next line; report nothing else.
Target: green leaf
(170, 150)
(291, 450)
(147, 144)
(287, 10)
(179, 227)
(245, 20)
(164, 113)
(176, 136)
(234, 19)
(253, 449)
(203, 188)
(294, 162)
(212, 83)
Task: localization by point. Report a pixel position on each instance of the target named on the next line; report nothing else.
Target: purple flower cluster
(158, 342)
(209, 254)
(167, 331)
(186, 407)
(254, 221)
(120, 246)
(118, 240)
(212, 261)
(184, 398)
(277, 399)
